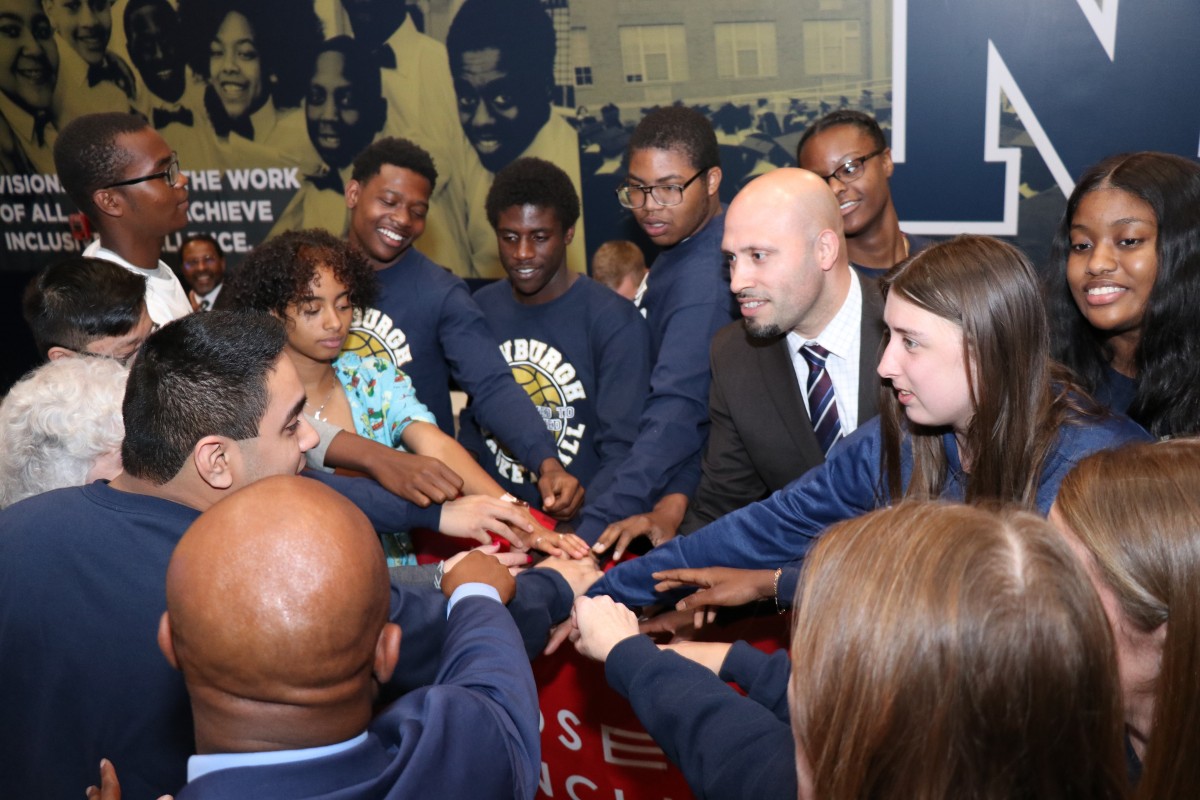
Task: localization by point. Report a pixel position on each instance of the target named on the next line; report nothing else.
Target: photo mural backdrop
(992, 107)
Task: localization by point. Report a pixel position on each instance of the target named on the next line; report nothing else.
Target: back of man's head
(88, 156)
(398, 153)
(678, 128)
(533, 182)
(202, 375)
(277, 602)
(616, 259)
(78, 300)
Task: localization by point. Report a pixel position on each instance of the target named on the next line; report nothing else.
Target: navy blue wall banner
(1079, 80)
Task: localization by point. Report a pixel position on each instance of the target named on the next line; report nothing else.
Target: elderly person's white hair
(61, 426)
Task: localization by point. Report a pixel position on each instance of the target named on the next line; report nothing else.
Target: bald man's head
(787, 254)
(279, 595)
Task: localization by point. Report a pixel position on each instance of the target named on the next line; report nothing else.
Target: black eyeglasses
(668, 194)
(852, 170)
(170, 175)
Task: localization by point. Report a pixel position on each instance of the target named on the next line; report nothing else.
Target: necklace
(328, 397)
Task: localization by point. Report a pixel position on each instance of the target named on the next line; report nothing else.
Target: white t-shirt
(166, 299)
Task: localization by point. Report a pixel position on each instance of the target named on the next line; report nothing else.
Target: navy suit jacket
(760, 436)
(474, 733)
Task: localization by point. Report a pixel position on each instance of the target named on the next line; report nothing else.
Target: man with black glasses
(671, 188)
(125, 178)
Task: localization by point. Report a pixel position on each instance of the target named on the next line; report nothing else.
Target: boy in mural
(344, 111)
(91, 78)
(420, 107)
(28, 71)
(426, 323)
(848, 149)
(502, 59)
(171, 97)
(579, 350)
(671, 187)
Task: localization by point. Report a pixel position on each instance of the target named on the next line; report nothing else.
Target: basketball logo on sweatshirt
(552, 385)
(372, 333)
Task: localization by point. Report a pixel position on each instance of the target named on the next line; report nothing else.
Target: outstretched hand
(477, 516)
(515, 561)
(719, 586)
(602, 623)
(680, 625)
(561, 545)
(562, 493)
(658, 525)
(476, 567)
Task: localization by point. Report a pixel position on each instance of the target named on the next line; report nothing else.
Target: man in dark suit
(790, 271)
(282, 673)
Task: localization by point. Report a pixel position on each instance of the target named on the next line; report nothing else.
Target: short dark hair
(286, 34)
(359, 67)
(844, 116)
(533, 182)
(135, 5)
(87, 156)
(73, 302)
(678, 128)
(202, 237)
(278, 272)
(201, 375)
(397, 152)
(520, 29)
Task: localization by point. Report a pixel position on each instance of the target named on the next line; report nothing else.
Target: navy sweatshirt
(687, 301)
(426, 323)
(584, 359)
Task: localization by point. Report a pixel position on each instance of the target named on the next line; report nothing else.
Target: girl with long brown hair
(974, 410)
(1133, 516)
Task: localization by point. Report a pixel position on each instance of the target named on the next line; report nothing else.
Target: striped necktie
(822, 404)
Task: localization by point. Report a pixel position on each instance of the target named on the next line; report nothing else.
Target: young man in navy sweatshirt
(671, 188)
(426, 323)
(579, 350)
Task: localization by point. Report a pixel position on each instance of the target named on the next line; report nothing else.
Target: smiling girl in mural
(257, 71)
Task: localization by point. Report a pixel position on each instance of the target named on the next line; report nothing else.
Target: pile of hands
(424, 480)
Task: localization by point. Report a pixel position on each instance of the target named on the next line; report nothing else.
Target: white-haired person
(61, 426)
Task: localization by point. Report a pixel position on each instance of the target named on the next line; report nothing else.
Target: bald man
(283, 673)
(212, 405)
(808, 338)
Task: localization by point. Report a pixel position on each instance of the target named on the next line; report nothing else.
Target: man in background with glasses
(671, 189)
(125, 178)
(848, 149)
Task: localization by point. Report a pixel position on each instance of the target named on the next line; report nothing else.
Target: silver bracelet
(438, 574)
